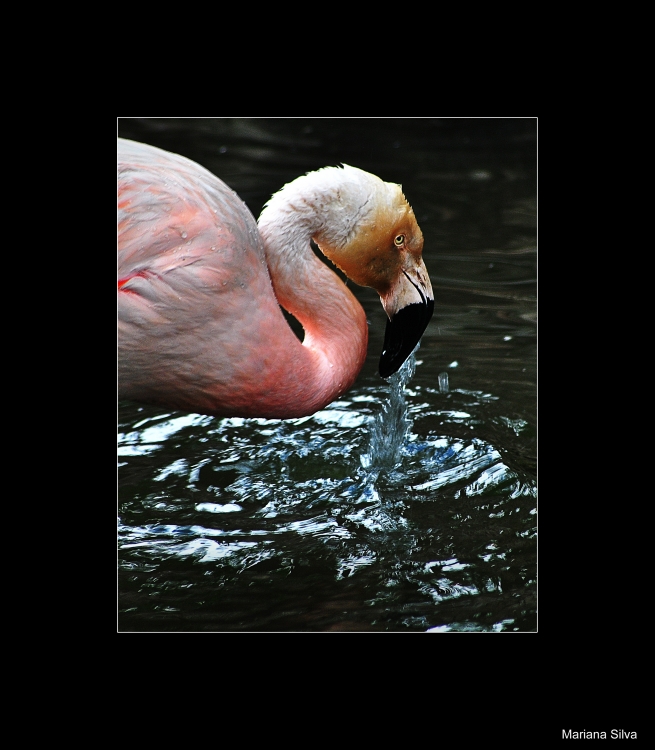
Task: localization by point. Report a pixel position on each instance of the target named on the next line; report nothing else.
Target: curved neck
(336, 334)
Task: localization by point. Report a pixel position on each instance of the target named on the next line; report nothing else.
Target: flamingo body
(200, 286)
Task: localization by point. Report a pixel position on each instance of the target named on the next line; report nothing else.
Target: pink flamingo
(200, 286)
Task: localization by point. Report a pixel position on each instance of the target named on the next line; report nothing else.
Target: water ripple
(356, 490)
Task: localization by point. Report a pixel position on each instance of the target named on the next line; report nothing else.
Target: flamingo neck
(336, 334)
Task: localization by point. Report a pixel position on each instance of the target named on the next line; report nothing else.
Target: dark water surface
(406, 506)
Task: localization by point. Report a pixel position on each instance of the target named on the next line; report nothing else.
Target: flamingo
(200, 285)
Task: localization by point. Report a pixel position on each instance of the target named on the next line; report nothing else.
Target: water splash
(216, 507)
(390, 426)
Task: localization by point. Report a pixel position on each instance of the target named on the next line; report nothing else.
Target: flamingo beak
(409, 307)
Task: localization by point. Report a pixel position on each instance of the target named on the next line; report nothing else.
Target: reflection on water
(407, 505)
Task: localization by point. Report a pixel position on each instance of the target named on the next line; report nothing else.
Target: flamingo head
(371, 234)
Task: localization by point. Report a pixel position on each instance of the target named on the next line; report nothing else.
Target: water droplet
(443, 382)
(184, 235)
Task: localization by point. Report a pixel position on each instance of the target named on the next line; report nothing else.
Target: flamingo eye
(399, 240)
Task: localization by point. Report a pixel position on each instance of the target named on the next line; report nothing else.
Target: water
(390, 427)
(409, 505)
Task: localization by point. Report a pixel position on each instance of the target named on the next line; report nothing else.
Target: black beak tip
(402, 335)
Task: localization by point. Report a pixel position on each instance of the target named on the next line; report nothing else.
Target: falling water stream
(390, 425)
